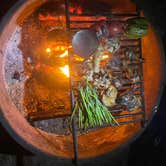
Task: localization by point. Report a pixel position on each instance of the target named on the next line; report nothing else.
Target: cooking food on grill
(85, 43)
(130, 53)
(110, 96)
(97, 58)
(91, 111)
(102, 61)
(102, 29)
(116, 28)
(111, 45)
(133, 74)
(107, 30)
(131, 102)
(115, 63)
(102, 80)
(136, 27)
(110, 73)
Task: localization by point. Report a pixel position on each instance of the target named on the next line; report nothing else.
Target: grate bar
(74, 132)
(108, 15)
(95, 21)
(131, 121)
(42, 115)
(129, 46)
(129, 40)
(109, 125)
(129, 115)
(116, 110)
(142, 85)
(124, 14)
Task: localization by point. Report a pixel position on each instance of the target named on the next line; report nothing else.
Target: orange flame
(48, 50)
(50, 17)
(65, 70)
(65, 54)
(105, 57)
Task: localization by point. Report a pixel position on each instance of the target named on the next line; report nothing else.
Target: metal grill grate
(73, 24)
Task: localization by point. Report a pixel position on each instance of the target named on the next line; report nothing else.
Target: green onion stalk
(90, 110)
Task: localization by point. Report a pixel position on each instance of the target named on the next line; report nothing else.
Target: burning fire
(65, 70)
(65, 54)
(105, 57)
(48, 50)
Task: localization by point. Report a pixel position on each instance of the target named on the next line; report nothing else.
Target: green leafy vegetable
(137, 27)
(91, 111)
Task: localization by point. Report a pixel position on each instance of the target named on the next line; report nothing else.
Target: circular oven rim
(6, 19)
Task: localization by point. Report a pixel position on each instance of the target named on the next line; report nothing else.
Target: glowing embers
(104, 57)
(61, 53)
(64, 54)
(48, 50)
(65, 70)
(56, 48)
(50, 17)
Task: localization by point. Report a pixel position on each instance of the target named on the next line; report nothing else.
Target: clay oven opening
(47, 84)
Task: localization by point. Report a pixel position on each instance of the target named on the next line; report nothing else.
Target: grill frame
(143, 113)
(22, 142)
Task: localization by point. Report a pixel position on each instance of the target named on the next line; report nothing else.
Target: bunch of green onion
(91, 111)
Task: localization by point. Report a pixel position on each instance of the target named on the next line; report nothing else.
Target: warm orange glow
(79, 10)
(63, 55)
(48, 50)
(105, 57)
(59, 48)
(62, 48)
(65, 70)
(50, 17)
(75, 9)
(88, 18)
(71, 9)
(78, 58)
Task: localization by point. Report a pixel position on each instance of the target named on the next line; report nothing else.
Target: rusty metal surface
(90, 144)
